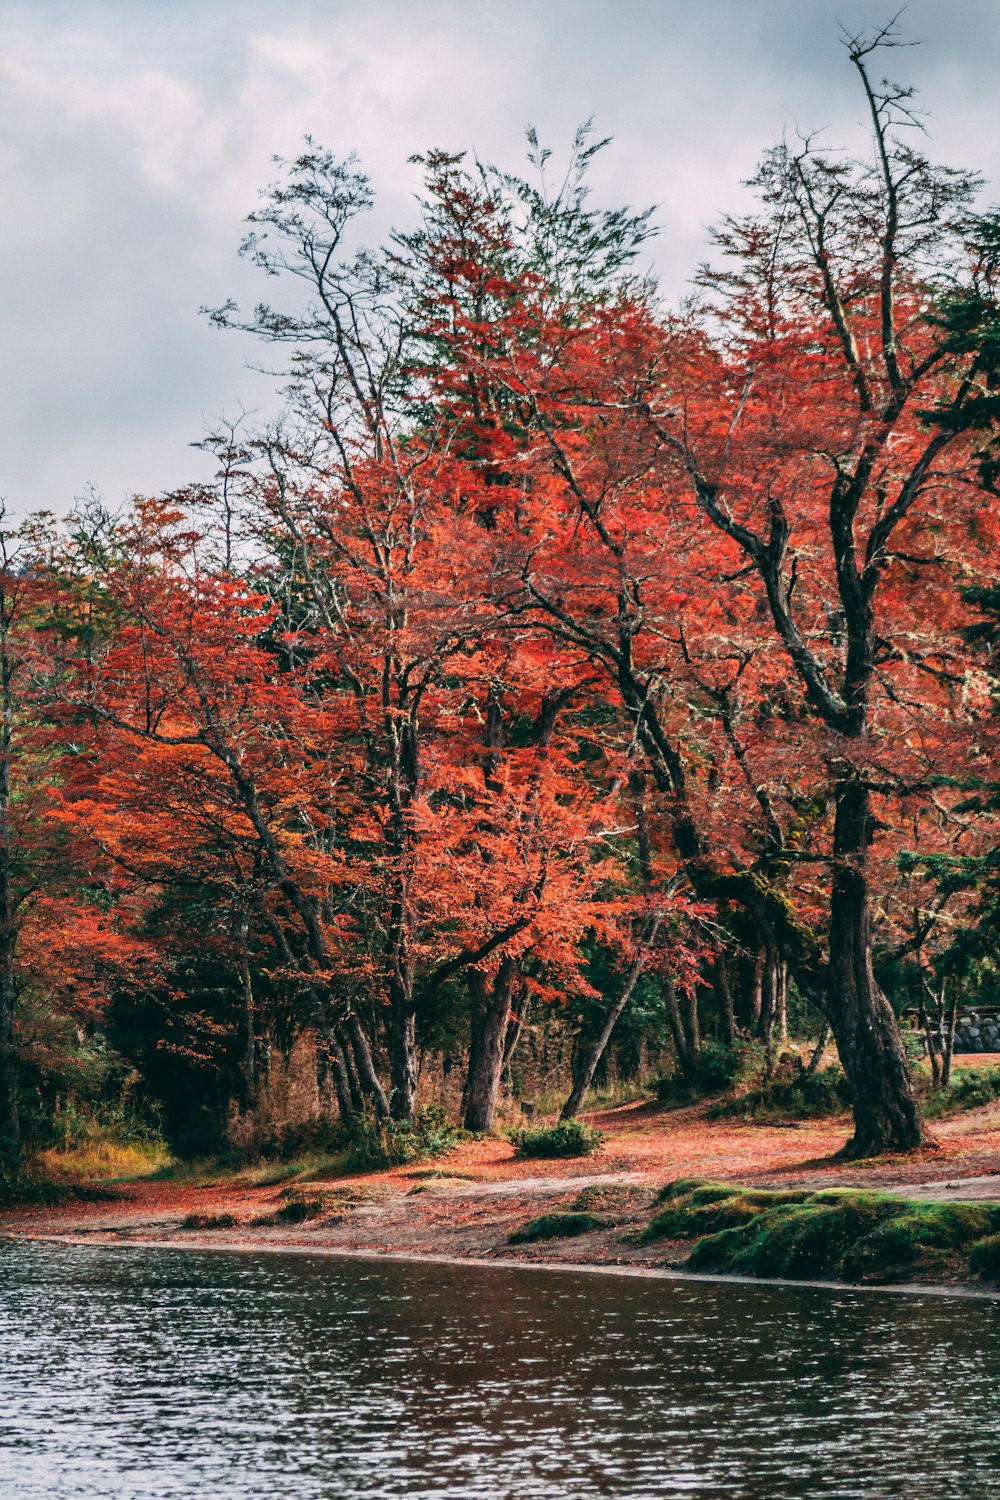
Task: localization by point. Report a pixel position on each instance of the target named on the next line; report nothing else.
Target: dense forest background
(563, 688)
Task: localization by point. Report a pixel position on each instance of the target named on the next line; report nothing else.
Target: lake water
(131, 1372)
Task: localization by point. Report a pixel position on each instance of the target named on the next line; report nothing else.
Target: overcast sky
(134, 135)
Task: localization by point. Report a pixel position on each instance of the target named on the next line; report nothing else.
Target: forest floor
(465, 1204)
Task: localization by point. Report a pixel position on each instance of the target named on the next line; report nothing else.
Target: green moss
(557, 1226)
(835, 1233)
(693, 1208)
(984, 1257)
(928, 1236)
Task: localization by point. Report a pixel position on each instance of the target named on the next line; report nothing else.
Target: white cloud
(134, 135)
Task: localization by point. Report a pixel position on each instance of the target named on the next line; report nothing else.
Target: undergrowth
(969, 1088)
(567, 1138)
(370, 1144)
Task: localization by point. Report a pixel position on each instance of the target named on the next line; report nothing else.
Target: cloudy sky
(134, 135)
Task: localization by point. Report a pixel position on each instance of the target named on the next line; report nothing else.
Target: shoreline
(508, 1263)
(462, 1208)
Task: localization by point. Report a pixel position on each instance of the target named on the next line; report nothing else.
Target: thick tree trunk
(886, 1116)
(341, 1048)
(490, 1017)
(402, 1049)
(682, 1018)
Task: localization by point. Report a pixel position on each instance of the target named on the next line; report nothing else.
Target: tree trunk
(686, 1039)
(341, 1047)
(950, 1017)
(246, 1038)
(586, 1067)
(724, 999)
(402, 1048)
(10, 1128)
(886, 1117)
(341, 1078)
(490, 1015)
(373, 1090)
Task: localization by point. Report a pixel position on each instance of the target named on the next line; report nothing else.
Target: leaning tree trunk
(490, 1017)
(587, 1065)
(246, 1028)
(886, 1116)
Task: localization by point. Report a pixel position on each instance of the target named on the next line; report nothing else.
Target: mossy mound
(209, 1221)
(693, 1208)
(562, 1226)
(834, 1234)
(610, 1197)
(299, 1210)
(984, 1257)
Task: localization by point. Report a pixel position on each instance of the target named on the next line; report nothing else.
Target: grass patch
(102, 1160)
(556, 1226)
(836, 1234)
(568, 1138)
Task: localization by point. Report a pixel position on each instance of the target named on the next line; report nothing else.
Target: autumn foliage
(553, 649)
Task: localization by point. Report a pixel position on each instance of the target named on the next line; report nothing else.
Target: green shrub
(805, 1096)
(556, 1226)
(371, 1144)
(25, 1186)
(568, 1138)
(969, 1088)
(721, 1066)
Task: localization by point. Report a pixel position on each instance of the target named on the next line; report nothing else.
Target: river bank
(468, 1203)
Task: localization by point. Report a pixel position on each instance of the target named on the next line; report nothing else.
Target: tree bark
(246, 1038)
(886, 1116)
(587, 1066)
(490, 1017)
(10, 1128)
(686, 1040)
(341, 1079)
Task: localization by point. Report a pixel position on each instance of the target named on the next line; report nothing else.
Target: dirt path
(468, 1202)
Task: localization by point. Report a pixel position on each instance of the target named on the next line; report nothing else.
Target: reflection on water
(133, 1373)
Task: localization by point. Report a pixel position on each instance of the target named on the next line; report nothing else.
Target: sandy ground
(466, 1204)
